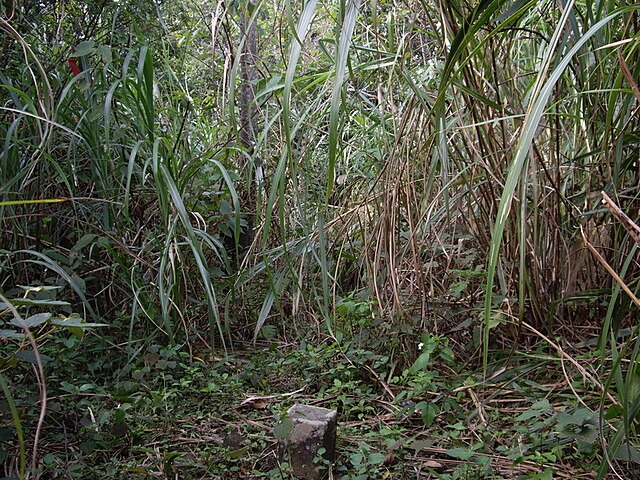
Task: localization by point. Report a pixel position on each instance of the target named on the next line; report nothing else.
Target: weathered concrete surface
(311, 428)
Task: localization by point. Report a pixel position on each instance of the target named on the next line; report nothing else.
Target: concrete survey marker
(303, 433)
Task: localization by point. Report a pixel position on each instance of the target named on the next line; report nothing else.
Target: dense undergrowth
(422, 215)
(167, 413)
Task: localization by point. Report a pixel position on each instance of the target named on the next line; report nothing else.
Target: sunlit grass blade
(342, 57)
(276, 195)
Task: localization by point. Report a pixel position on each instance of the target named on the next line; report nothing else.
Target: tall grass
(112, 142)
(486, 173)
(507, 139)
(438, 162)
(519, 146)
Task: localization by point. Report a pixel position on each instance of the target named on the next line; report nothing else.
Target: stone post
(310, 429)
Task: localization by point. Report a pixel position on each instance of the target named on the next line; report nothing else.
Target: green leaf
(613, 411)
(84, 241)
(581, 416)
(85, 48)
(377, 458)
(119, 415)
(4, 333)
(283, 428)
(68, 387)
(105, 53)
(461, 453)
(582, 425)
(273, 85)
(536, 410)
(32, 321)
(28, 302)
(76, 322)
(30, 357)
(76, 325)
(40, 288)
(628, 453)
(546, 474)
(429, 411)
(4, 386)
(225, 208)
(422, 362)
(237, 453)
(418, 445)
(47, 262)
